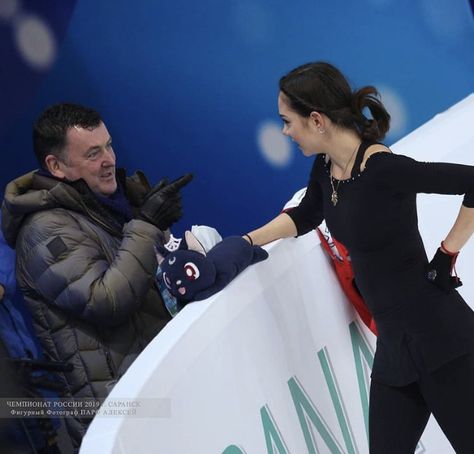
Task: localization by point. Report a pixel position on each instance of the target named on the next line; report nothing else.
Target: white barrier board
(277, 362)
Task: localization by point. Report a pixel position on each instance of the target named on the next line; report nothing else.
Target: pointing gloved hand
(440, 268)
(162, 206)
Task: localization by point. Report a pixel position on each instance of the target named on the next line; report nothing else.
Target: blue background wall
(192, 86)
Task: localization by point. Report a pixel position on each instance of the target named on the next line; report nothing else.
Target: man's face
(89, 155)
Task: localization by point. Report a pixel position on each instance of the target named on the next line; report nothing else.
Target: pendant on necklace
(334, 199)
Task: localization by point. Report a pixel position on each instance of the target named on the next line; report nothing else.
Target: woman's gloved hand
(439, 270)
(162, 206)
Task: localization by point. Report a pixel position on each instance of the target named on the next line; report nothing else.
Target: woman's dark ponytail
(370, 129)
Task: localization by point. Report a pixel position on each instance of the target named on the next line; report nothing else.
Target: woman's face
(296, 127)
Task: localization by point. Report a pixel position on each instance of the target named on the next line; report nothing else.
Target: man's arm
(72, 265)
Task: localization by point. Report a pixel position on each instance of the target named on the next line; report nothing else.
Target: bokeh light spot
(274, 146)
(35, 41)
(395, 106)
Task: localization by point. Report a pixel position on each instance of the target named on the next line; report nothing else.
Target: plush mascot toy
(192, 274)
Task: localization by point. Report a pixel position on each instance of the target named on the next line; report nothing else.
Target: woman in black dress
(424, 362)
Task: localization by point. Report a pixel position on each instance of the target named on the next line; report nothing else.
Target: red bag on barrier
(345, 274)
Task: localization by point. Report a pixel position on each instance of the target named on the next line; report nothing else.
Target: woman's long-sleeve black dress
(376, 219)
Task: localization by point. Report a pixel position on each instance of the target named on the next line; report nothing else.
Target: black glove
(439, 271)
(162, 205)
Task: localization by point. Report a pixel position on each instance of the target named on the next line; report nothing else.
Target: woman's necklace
(334, 196)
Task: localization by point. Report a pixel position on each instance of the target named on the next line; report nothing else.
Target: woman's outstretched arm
(280, 227)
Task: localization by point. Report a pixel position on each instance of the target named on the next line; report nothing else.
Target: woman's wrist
(447, 249)
(248, 238)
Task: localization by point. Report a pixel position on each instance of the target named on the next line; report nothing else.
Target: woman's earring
(321, 131)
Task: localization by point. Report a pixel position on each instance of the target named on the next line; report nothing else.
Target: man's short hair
(51, 127)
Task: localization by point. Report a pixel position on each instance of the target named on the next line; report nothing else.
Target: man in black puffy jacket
(85, 237)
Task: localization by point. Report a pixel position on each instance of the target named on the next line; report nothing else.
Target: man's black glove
(162, 205)
(440, 268)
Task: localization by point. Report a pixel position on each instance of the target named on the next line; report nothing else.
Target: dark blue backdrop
(192, 86)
